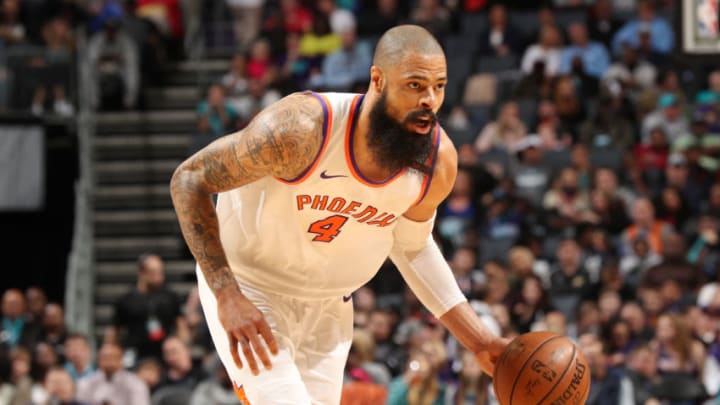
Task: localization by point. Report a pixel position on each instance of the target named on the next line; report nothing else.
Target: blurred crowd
(587, 201)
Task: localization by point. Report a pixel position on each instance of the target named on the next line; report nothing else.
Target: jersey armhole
(326, 131)
(432, 160)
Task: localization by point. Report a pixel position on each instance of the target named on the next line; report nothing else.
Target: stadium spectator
(148, 313)
(78, 356)
(258, 97)
(235, 82)
(150, 371)
(179, 368)
(504, 133)
(346, 66)
(473, 386)
(247, 17)
(583, 54)
(633, 74)
(18, 329)
(547, 51)
(420, 383)
(321, 40)
(217, 389)
(646, 226)
(529, 173)
(601, 22)
(500, 38)
(373, 21)
(361, 366)
(217, 115)
(606, 128)
(12, 29)
(53, 330)
(569, 282)
(58, 388)
(114, 61)
(667, 116)
(36, 301)
(111, 383)
(662, 37)
(433, 16)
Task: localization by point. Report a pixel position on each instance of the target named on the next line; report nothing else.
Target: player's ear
(377, 77)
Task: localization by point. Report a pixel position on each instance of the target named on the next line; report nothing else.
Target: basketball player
(314, 194)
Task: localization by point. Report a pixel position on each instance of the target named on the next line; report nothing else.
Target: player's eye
(440, 86)
(414, 85)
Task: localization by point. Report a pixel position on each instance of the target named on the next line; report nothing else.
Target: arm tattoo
(281, 141)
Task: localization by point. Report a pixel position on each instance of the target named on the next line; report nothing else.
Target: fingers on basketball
(541, 368)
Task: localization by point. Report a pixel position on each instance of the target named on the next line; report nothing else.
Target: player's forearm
(462, 322)
(199, 225)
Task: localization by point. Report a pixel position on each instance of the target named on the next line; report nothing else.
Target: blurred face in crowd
(609, 304)
(672, 112)
(606, 181)
(643, 212)
(646, 11)
(555, 322)
(463, 184)
(501, 315)
(380, 325)
(671, 199)
(45, 355)
(714, 81)
(77, 352)
(36, 301)
(532, 291)
(13, 304)
(588, 317)
(497, 283)
(463, 262)
(238, 64)
(510, 112)
(152, 273)
(546, 16)
(364, 299)
(11, 8)
(633, 315)
(348, 38)
(260, 50)
(521, 261)
(578, 34)
(150, 372)
(54, 318)
(471, 369)
(59, 383)
(176, 354)
(620, 334)
(665, 329)
(498, 16)
(644, 361)
(673, 246)
(110, 359)
(592, 348)
(20, 363)
(550, 37)
(641, 247)
(602, 9)
(387, 7)
(216, 96)
(651, 300)
(715, 196)
(569, 256)
(658, 139)
(677, 174)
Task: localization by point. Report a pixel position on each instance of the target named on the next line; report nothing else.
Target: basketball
(541, 368)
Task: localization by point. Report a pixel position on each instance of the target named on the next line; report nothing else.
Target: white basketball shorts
(313, 337)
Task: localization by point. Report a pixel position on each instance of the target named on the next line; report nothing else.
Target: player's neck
(362, 154)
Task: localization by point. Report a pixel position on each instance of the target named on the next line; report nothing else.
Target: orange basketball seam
(512, 391)
(570, 363)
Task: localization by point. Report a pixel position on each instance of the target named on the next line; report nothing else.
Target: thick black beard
(393, 146)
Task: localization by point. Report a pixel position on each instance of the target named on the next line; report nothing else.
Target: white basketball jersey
(326, 232)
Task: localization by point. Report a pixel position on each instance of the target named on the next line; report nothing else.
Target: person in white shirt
(548, 50)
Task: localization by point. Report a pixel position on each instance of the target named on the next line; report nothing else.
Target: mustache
(415, 115)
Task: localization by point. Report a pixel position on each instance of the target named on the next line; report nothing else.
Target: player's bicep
(281, 141)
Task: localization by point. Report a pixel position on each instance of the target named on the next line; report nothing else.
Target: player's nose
(428, 100)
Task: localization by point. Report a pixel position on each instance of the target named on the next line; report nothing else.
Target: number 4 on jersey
(327, 229)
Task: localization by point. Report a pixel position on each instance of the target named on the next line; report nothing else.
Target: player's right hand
(245, 324)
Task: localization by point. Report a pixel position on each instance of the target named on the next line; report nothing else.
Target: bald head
(400, 40)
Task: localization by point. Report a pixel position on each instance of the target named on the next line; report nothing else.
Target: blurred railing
(80, 279)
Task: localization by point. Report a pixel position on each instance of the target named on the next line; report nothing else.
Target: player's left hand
(490, 355)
